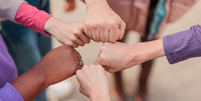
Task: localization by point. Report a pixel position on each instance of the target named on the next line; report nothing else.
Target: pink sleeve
(32, 18)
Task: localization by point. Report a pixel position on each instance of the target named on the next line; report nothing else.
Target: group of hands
(101, 24)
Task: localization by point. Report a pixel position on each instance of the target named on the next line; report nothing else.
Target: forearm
(148, 50)
(30, 84)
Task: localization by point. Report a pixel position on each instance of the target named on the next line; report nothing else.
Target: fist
(59, 64)
(115, 56)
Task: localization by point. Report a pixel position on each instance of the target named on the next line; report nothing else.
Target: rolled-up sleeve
(9, 93)
(183, 45)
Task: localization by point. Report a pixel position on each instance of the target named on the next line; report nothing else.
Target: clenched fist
(102, 24)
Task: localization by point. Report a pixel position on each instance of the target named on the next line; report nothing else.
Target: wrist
(51, 25)
(104, 96)
(147, 51)
(30, 84)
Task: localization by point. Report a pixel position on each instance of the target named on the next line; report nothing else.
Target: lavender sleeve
(9, 93)
(183, 45)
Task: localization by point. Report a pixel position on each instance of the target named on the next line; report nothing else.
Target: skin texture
(119, 56)
(69, 5)
(57, 65)
(101, 23)
(67, 33)
(93, 83)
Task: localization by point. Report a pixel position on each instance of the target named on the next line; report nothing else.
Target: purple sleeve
(183, 45)
(9, 93)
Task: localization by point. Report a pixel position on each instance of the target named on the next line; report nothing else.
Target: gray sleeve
(8, 9)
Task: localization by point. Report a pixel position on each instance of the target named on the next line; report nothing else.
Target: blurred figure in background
(148, 18)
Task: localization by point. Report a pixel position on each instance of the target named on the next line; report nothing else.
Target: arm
(119, 56)
(93, 83)
(66, 33)
(101, 23)
(57, 65)
(177, 47)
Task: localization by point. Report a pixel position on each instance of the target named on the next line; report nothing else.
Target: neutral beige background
(178, 82)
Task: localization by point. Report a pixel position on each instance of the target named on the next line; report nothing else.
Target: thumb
(102, 63)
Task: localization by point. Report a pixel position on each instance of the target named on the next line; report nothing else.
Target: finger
(70, 43)
(78, 41)
(88, 32)
(113, 35)
(100, 61)
(74, 45)
(122, 28)
(104, 36)
(96, 35)
(103, 64)
(84, 38)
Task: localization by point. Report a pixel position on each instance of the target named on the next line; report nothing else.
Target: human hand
(67, 33)
(119, 56)
(69, 5)
(102, 23)
(116, 56)
(59, 64)
(93, 82)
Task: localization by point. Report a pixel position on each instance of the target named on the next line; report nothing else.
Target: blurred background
(178, 82)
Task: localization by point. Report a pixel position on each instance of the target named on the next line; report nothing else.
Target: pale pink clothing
(135, 12)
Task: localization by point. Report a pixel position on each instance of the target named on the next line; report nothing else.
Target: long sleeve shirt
(183, 45)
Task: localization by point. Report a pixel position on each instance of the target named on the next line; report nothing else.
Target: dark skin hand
(57, 65)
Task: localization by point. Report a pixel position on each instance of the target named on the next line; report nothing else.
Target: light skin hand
(119, 56)
(57, 65)
(101, 23)
(67, 33)
(69, 5)
(93, 83)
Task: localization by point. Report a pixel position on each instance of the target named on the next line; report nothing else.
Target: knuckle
(82, 44)
(74, 39)
(87, 40)
(94, 26)
(101, 58)
(70, 43)
(78, 34)
(110, 71)
(112, 40)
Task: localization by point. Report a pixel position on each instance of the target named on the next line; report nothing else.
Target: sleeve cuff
(32, 18)
(183, 45)
(9, 93)
(167, 48)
